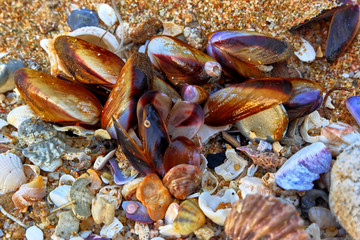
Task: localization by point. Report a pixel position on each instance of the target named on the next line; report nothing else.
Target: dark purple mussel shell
(153, 133)
(353, 105)
(251, 47)
(194, 93)
(181, 63)
(135, 155)
(136, 212)
(134, 80)
(96, 237)
(180, 151)
(305, 98)
(343, 29)
(56, 100)
(87, 62)
(119, 178)
(239, 101)
(185, 119)
(232, 66)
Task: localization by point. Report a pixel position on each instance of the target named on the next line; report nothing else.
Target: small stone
(82, 18)
(215, 160)
(319, 53)
(172, 29)
(67, 226)
(34, 233)
(145, 30)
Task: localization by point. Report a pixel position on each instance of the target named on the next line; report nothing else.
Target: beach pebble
(344, 198)
(34, 233)
(82, 18)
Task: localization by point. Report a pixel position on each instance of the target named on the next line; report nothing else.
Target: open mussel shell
(251, 47)
(232, 66)
(264, 217)
(182, 63)
(57, 100)
(239, 101)
(345, 24)
(87, 62)
(305, 98)
(133, 81)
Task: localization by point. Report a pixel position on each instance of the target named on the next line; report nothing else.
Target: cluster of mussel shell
(165, 96)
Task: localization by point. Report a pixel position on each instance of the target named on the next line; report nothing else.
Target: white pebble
(34, 233)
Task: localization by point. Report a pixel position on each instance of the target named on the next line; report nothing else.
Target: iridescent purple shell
(96, 237)
(119, 178)
(353, 105)
(137, 212)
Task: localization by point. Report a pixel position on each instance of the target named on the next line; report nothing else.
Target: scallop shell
(19, 114)
(189, 218)
(11, 173)
(260, 217)
(217, 207)
(29, 193)
(232, 167)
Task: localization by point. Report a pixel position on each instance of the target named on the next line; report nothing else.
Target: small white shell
(34, 233)
(111, 230)
(106, 14)
(171, 213)
(102, 210)
(312, 121)
(169, 231)
(77, 130)
(96, 36)
(232, 167)
(252, 185)
(101, 161)
(19, 114)
(307, 52)
(209, 182)
(60, 195)
(111, 193)
(209, 205)
(11, 173)
(207, 132)
(66, 179)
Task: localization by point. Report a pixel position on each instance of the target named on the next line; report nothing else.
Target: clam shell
(189, 218)
(232, 167)
(217, 207)
(259, 217)
(11, 173)
(29, 193)
(19, 114)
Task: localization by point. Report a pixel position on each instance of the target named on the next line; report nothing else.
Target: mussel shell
(193, 93)
(305, 98)
(56, 100)
(87, 62)
(181, 63)
(133, 81)
(232, 66)
(239, 101)
(251, 47)
(164, 87)
(119, 178)
(345, 24)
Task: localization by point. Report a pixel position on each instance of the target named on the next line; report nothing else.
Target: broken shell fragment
(305, 166)
(29, 193)
(102, 210)
(306, 53)
(112, 229)
(82, 197)
(119, 177)
(171, 213)
(86, 62)
(253, 185)
(133, 81)
(269, 125)
(67, 225)
(11, 173)
(136, 211)
(209, 182)
(239, 101)
(60, 195)
(232, 167)
(189, 218)
(19, 114)
(311, 122)
(112, 194)
(154, 196)
(182, 63)
(128, 191)
(217, 207)
(182, 180)
(57, 100)
(264, 217)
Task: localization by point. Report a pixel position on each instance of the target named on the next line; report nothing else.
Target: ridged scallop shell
(189, 218)
(259, 217)
(19, 114)
(29, 193)
(11, 173)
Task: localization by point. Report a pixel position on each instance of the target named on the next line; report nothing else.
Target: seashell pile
(201, 133)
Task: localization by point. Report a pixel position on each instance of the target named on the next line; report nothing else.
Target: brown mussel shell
(239, 101)
(134, 79)
(182, 180)
(56, 100)
(264, 217)
(154, 196)
(87, 62)
(181, 63)
(251, 47)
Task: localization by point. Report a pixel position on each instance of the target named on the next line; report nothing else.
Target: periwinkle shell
(139, 214)
(304, 167)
